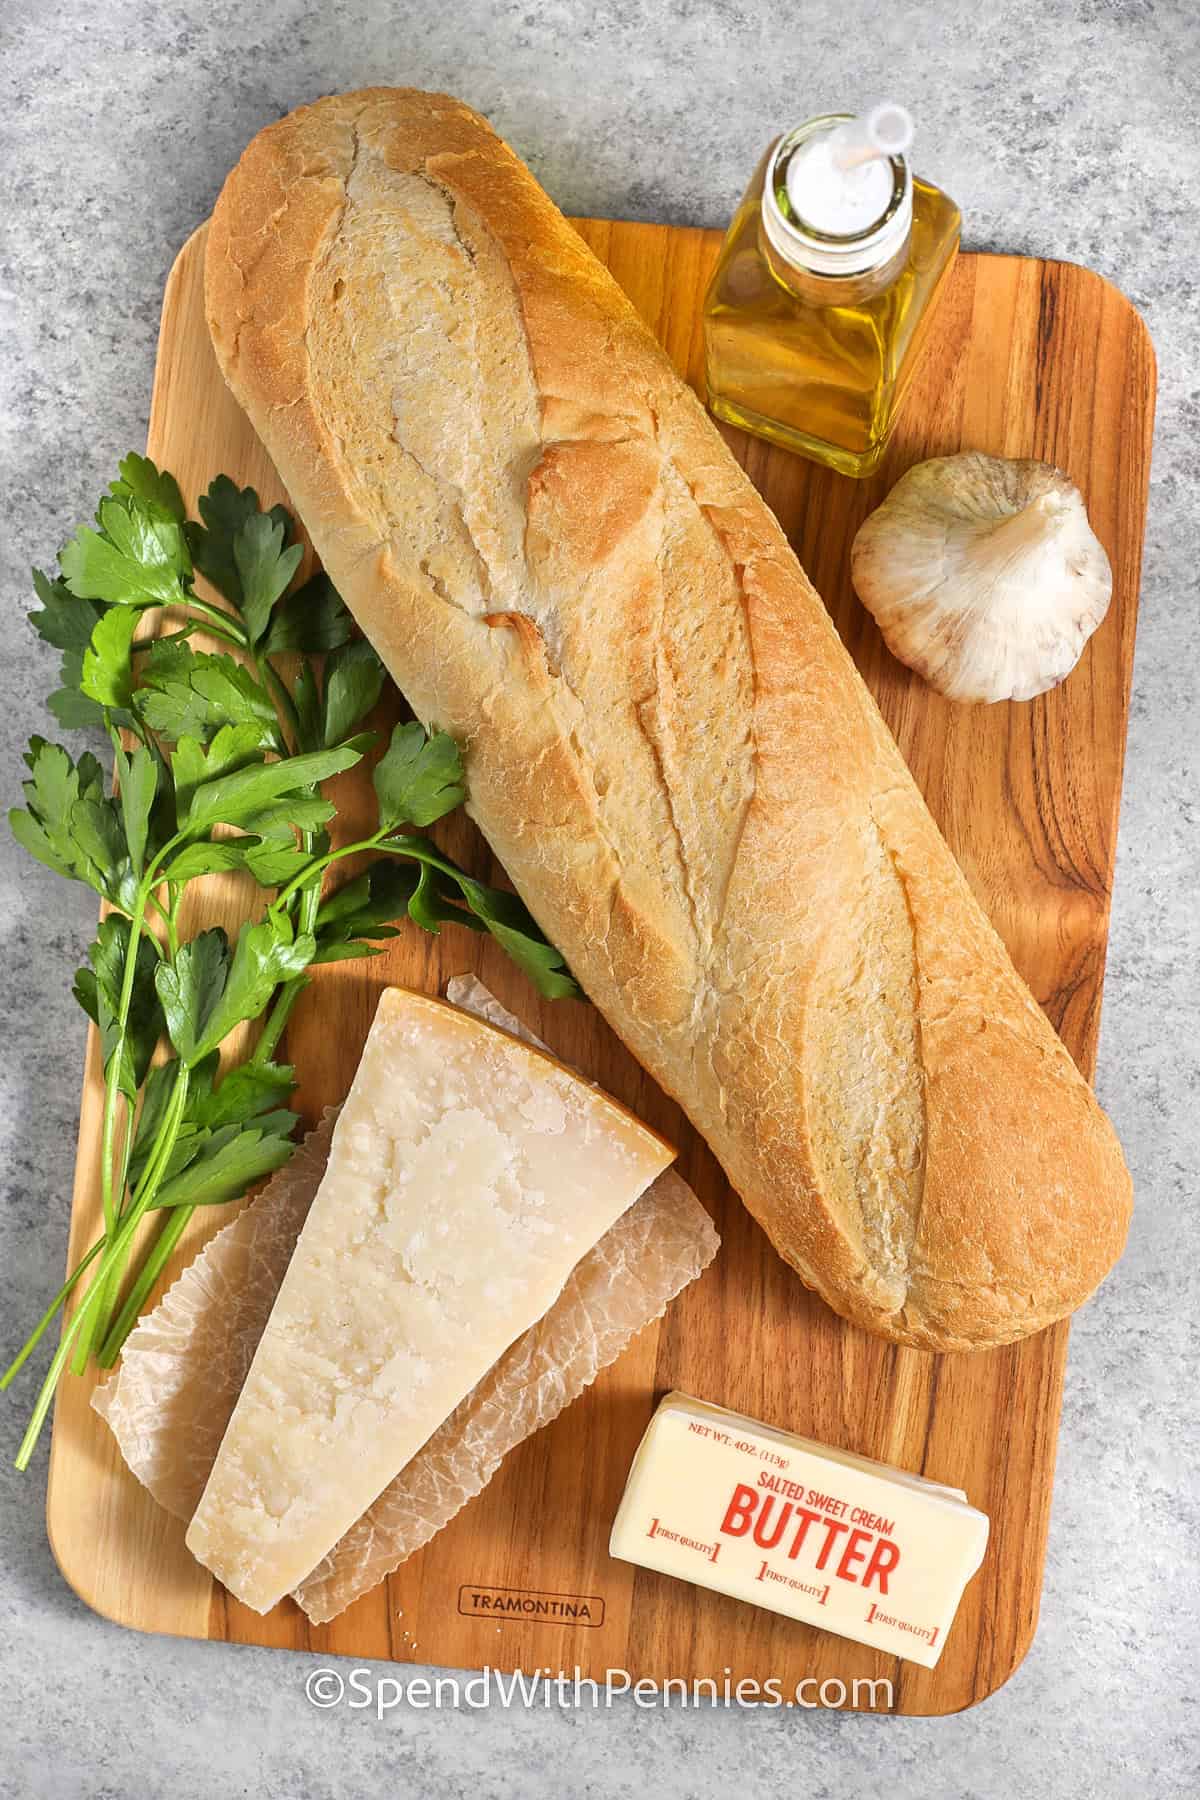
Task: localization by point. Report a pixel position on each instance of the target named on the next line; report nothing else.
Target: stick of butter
(820, 1535)
(467, 1175)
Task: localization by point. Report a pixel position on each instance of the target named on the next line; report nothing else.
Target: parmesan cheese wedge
(467, 1176)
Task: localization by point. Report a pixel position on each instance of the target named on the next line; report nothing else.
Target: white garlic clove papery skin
(984, 575)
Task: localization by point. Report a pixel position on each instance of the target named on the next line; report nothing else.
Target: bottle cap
(838, 193)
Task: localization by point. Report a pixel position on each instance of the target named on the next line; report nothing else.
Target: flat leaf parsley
(219, 760)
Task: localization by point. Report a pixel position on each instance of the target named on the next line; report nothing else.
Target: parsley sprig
(219, 760)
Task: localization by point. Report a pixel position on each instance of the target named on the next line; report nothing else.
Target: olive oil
(811, 336)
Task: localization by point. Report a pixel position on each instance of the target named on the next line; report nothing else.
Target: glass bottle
(812, 335)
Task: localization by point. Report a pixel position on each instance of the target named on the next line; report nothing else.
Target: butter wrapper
(821, 1535)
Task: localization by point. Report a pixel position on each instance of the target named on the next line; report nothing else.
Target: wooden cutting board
(1028, 358)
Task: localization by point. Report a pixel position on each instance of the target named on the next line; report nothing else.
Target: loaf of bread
(667, 746)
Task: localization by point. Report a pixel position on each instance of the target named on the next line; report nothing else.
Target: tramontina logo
(477, 1600)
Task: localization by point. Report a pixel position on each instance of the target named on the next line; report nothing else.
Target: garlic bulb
(984, 575)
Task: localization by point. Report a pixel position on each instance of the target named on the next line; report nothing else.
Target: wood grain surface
(1027, 358)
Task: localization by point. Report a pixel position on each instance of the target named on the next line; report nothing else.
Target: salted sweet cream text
(853, 1547)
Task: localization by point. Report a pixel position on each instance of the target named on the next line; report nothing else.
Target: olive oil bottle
(825, 287)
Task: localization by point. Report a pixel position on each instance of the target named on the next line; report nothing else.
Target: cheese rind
(468, 1174)
(841, 1542)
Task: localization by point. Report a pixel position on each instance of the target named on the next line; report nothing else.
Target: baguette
(667, 746)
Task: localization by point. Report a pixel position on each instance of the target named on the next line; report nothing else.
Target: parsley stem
(86, 1338)
(108, 1129)
(270, 677)
(226, 637)
(113, 1258)
(170, 918)
(112, 1193)
(221, 623)
(316, 868)
(164, 637)
(164, 1141)
(112, 1086)
(310, 897)
(152, 1179)
(155, 1262)
(32, 1341)
(277, 1018)
(165, 916)
(417, 849)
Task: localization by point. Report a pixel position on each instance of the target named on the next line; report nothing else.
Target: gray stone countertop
(1066, 130)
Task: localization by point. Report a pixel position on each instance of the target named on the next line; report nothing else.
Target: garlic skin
(984, 575)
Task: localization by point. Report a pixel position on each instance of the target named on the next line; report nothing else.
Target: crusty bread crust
(667, 745)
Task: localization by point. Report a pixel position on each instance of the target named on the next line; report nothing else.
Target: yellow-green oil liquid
(824, 378)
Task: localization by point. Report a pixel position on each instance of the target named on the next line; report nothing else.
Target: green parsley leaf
(98, 831)
(205, 858)
(296, 812)
(419, 778)
(64, 620)
(155, 1094)
(378, 896)
(231, 799)
(204, 1112)
(73, 710)
(364, 908)
(68, 622)
(352, 950)
(137, 558)
(425, 906)
(312, 619)
(265, 569)
(191, 988)
(186, 1148)
(137, 777)
(234, 747)
(245, 1092)
(266, 953)
(98, 991)
(156, 488)
(93, 782)
(273, 864)
(354, 678)
(106, 674)
(189, 693)
(307, 699)
(516, 931)
(225, 508)
(44, 830)
(70, 825)
(230, 1161)
(436, 901)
